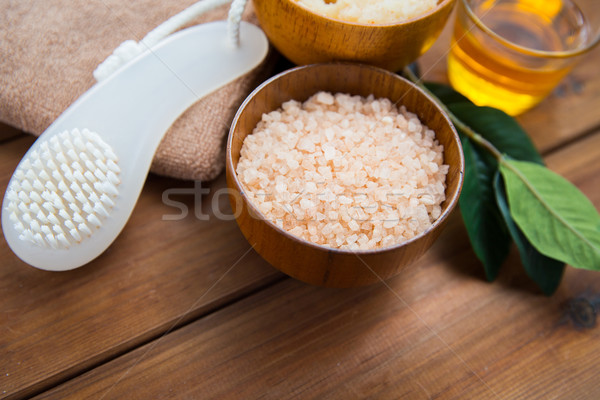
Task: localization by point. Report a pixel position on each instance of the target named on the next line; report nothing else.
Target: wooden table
(185, 309)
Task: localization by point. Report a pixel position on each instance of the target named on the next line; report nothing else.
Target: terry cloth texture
(49, 49)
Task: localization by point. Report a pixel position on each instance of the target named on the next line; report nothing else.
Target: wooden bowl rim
(425, 15)
(233, 173)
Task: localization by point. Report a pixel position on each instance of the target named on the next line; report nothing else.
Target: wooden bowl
(306, 38)
(318, 264)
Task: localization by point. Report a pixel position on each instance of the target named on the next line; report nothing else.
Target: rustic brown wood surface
(157, 275)
(184, 309)
(436, 331)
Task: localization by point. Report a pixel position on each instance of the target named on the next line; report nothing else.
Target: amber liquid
(491, 73)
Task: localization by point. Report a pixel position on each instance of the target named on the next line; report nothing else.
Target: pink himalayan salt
(345, 171)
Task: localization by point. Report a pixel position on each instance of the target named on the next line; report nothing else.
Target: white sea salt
(374, 181)
(369, 11)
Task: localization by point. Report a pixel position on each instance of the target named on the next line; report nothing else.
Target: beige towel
(49, 49)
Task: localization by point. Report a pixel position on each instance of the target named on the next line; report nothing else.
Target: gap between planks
(281, 280)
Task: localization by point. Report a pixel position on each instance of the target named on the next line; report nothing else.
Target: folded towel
(49, 49)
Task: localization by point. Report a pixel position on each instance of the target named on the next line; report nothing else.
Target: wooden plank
(157, 275)
(437, 331)
(569, 112)
(8, 132)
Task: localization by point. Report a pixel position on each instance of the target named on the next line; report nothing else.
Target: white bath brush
(77, 185)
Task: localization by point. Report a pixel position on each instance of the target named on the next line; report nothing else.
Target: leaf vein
(551, 210)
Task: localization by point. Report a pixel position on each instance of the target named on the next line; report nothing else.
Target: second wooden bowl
(305, 37)
(313, 263)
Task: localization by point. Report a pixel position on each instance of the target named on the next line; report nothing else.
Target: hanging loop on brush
(130, 49)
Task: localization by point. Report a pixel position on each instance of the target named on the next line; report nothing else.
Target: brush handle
(132, 110)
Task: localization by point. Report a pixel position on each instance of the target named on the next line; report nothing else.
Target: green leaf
(446, 94)
(484, 224)
(500, 129)
(545, 271)
(553, 214)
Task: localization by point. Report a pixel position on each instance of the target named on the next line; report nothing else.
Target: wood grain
(321, 265)
(307, 38)
(571, 110)
(158, 274)
(436, 331)
(293, 339)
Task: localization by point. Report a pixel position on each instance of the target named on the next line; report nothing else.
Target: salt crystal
(265, 207)
(384, 173)
(345, 200)
(306, 145)
(412, 126)
(297, 230)
(310, 187)
(351, 239)
(388, 241)
(388, 224)
(371, 244)
(325, 98)
(305, 204)
(328, 152)
(375, 106)
(292, 164)
(325, 172)
(280, 187)
(363, 239)
(372, 208)
(329, 134)
(427, 199)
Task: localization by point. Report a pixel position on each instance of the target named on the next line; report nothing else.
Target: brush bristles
(61, 193)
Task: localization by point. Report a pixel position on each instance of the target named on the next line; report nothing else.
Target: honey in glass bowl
(510, 54)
